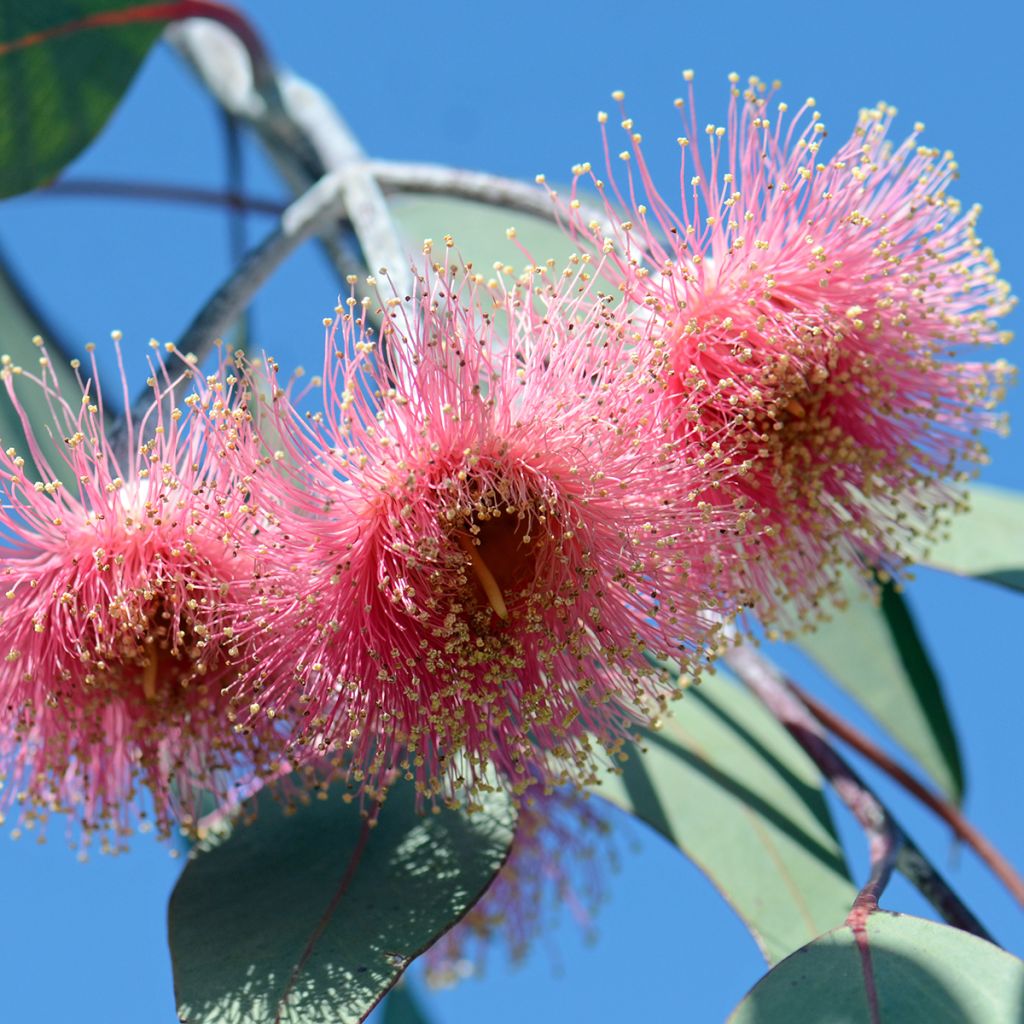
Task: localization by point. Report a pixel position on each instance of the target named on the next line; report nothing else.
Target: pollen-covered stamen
(492, 591)
(500, 554)
(152, 649)
(149, 669)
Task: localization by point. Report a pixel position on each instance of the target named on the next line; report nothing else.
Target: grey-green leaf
(988, 541)
(724, 782)
(20, 322)
(310, 917)
(61, 76)
(923, 973)
(480, 231)
(873, 651)
(402, 1007)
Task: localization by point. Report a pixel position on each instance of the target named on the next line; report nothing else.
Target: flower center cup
(501, 554)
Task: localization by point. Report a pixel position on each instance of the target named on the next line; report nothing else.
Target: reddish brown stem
(335, 901)
(142, 13)
(885, 843)
(886, 839)
(165, 193)
(947, 811)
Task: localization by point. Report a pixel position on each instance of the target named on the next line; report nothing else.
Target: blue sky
(514, 90)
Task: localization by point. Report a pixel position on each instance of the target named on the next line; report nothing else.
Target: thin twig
(308, 214)
(94, 187)
(237, 224)
(884, 848)
(762, 678)
(302, 219)
(394, 177)
(442, 180)
(946, 810)
(235, 173)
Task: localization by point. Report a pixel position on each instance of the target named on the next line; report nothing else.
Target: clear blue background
(513, 89)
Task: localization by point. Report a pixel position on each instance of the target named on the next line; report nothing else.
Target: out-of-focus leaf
(479, 231)
(873, 651)
(20, 321)
(402, 1007)
(312, 916)
(725, 782)
(61, 76)
(923, 972)
(988, 541)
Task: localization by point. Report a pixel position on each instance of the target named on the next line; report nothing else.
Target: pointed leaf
(312, 916)
(922, 972)
(61, 76)
(724, 782)
(20, 321)
(988, 541)
(873, 651)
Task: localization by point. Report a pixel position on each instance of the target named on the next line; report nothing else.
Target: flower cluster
(458, 555)
(812, 305)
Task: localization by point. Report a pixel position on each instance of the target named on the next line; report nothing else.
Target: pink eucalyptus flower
(476, 540)
(115, 640)
(812, 299)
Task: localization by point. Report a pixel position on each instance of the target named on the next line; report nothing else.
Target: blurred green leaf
(59, 82)
(312, 916)
(872, 650)
(726, 783)
(988, 541)
(402, 1007)
(924, 973)
(20, 321)
(479, 231)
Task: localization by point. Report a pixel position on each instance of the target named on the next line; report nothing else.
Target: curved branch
(395, 177)
(302, 219)
(443, 180)
(299, 221)
(304, 135)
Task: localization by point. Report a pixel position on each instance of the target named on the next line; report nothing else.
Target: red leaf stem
(143, 13)
(946, 810)
(764, 680)
(329, 911)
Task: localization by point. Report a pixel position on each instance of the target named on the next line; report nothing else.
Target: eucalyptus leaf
(988, 541)
(310, 917)
(480, 231)
(20, 322)
(402, 1007)
(922, 973)
(872, 650)
(61, 76)
(725, 782)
